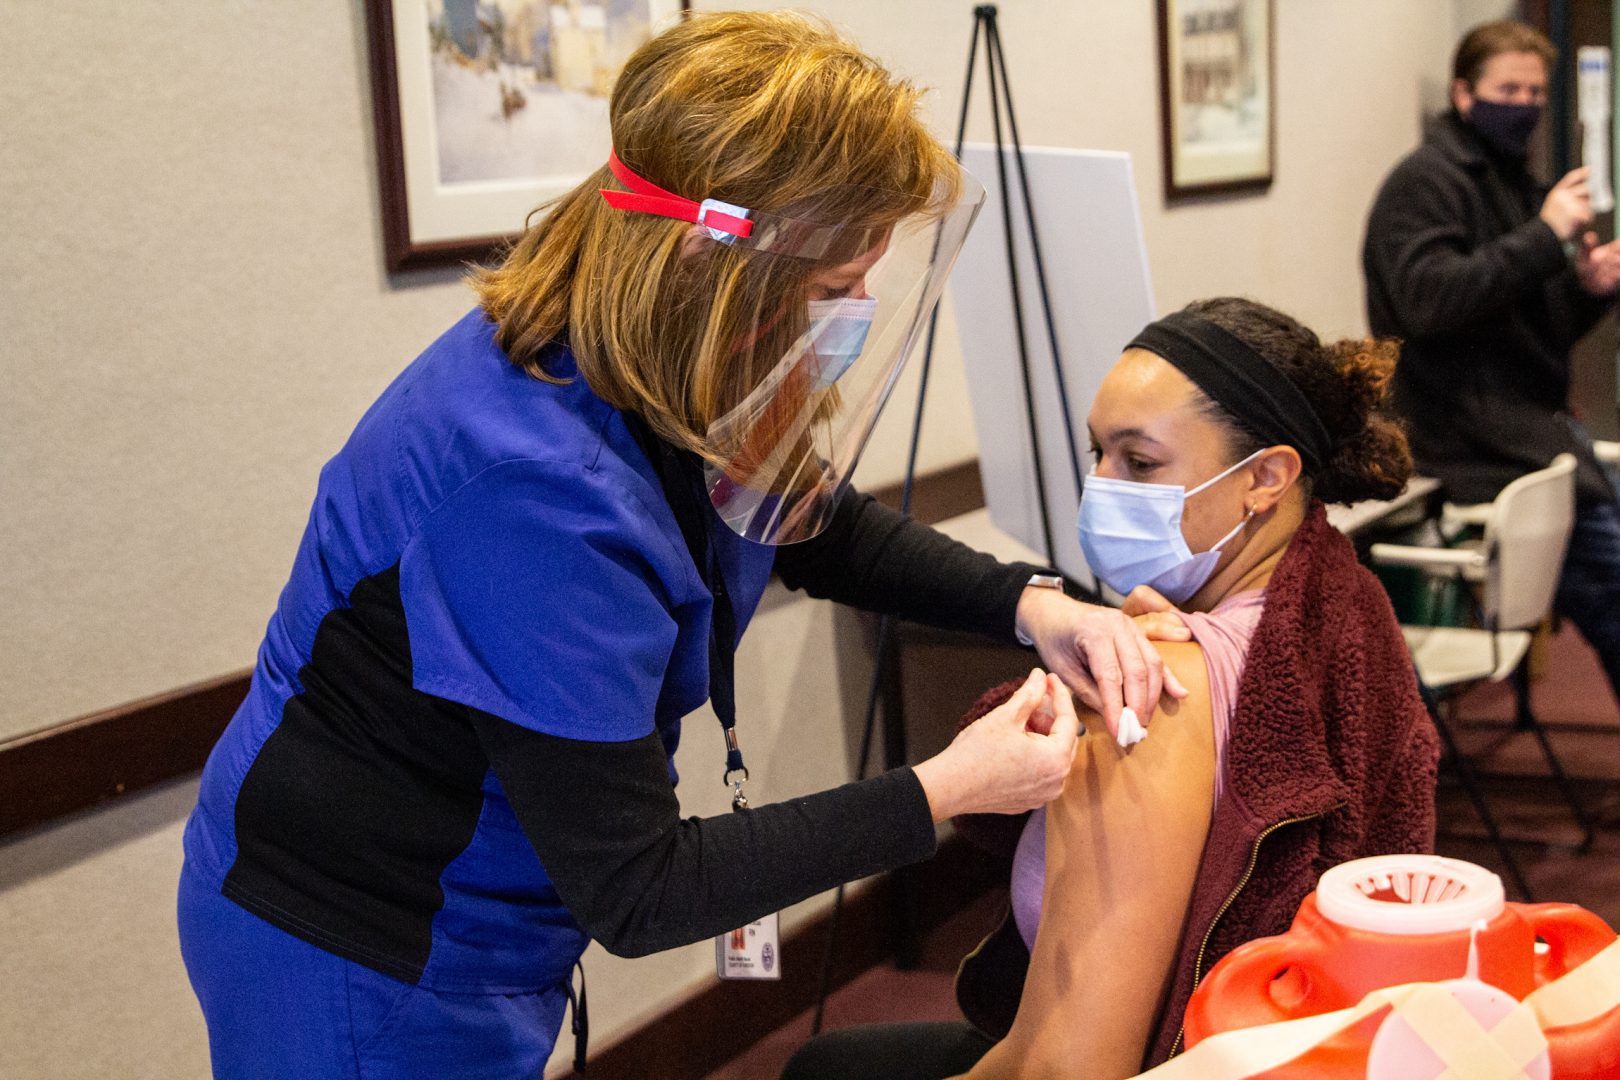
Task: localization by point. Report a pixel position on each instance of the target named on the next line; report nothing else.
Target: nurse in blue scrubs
(536, 554)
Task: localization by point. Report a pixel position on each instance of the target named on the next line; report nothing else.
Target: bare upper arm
(1123, 846)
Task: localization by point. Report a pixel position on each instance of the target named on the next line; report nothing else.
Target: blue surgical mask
(838, 330)
(1130, 534)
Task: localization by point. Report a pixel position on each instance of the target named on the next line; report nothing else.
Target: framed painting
(1217, 90)
(485, 109)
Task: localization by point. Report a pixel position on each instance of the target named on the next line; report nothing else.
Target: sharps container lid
(1409, 894)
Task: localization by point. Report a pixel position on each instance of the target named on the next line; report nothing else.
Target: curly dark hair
(1346, 382)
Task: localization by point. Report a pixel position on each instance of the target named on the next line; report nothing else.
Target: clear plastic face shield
(823, 347)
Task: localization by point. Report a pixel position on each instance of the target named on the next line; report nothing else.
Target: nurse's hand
(1013, 758)
(1104, 656)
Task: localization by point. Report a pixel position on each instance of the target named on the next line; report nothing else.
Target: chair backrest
(1525, 539)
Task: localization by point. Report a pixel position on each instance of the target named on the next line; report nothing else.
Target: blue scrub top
(524, 539)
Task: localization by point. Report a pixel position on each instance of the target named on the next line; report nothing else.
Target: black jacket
(1461, 268)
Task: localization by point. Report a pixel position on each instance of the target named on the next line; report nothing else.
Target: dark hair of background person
(1494, 38)
(1346, 382)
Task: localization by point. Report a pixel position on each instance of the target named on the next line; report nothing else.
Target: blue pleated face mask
(839, 328)
(1130, 534)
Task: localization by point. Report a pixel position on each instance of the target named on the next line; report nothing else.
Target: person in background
(1489, 278)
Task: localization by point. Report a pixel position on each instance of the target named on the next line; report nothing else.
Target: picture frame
(485, 110)
(1217, 95)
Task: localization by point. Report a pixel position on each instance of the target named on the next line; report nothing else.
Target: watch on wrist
(1037, 581)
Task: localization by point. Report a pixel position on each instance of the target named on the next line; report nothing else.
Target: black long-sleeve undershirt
(872, 557)
(606, 823)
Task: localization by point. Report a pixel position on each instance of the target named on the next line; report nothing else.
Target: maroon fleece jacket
(1331, 756)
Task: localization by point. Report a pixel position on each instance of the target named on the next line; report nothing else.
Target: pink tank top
(1224, 634)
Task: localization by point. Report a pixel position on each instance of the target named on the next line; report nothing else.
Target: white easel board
(1097, 278)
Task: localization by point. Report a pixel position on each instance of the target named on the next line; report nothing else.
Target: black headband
(1262, 399)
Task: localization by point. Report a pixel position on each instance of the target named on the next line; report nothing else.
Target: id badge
(753, 951)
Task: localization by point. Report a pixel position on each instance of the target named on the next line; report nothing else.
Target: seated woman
(1222, 430)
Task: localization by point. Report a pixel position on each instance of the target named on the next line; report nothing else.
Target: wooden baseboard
(708, 1029)
(940, 495)
(75, 765)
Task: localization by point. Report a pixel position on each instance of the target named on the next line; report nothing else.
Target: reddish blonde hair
(769, 110)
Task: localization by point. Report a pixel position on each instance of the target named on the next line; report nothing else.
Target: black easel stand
(886, 671)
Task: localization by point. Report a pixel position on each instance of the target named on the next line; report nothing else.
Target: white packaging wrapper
(1594, 86)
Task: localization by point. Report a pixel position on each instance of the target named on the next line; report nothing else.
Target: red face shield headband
(754, 230)
(724, 221)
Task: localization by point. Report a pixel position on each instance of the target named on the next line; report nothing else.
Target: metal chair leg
(1525, 719)
(1465, 777)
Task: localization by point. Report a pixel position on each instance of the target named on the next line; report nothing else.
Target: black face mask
(1506, 128)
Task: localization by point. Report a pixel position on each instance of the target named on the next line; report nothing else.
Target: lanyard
(680, 473)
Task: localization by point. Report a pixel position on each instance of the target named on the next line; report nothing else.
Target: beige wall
(193, 314)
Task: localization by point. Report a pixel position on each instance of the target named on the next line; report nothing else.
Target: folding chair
(1526, 532)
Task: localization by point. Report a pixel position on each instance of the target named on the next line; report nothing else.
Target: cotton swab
(1131, 730)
